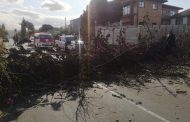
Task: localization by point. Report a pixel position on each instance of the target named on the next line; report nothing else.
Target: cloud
(13, 11)
(4, 12)
(13, 1)
(55, 5)
(27, 13)
(12, 18)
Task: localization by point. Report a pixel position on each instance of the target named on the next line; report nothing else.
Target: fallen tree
(50, 71)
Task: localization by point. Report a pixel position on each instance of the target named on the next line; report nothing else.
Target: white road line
(139, 106)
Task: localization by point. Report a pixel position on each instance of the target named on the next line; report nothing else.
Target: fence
(135, 34)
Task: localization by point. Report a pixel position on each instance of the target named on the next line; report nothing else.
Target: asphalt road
(152, 103)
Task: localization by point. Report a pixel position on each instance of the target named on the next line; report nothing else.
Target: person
(171, 44)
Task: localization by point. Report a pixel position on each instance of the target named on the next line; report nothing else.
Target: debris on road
(139, 103)
(181, 91)
(117, 96)
(50, 69)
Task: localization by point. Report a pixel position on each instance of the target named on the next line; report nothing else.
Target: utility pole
(65, 23)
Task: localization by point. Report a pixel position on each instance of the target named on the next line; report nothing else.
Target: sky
(49, 11)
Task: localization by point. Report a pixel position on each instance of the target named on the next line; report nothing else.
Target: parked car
(64, 40)
(43, 40)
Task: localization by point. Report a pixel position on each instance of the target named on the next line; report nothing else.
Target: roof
(163, 1)
(185, 13)
(171, 6)
(125, 2)
(76, 19)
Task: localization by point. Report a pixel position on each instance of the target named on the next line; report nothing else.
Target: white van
(70, 40)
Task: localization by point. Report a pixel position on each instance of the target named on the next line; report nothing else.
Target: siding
(185, 20)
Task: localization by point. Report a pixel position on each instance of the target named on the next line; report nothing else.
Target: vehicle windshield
(94, 60)
(69, 39)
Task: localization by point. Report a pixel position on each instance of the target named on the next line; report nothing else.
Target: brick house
(135, 10)
(104, 12)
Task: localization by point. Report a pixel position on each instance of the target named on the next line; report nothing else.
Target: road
(152, 103)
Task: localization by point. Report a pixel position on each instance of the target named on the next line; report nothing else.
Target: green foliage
(46, 28)
(26, 25)
(5, 79)
(23, 29)
(3, 32)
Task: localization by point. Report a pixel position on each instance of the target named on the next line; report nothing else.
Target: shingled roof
(183, 13)
(171, 6)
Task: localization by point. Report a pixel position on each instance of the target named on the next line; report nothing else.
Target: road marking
(139, 106)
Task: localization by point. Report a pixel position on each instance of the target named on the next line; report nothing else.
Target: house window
(155, 5)
(141, 3)
(172, 13)
(127, 10)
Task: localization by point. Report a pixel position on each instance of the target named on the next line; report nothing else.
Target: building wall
(185, 19)
(126, 20)
(180, 20)
(154, 14)
(134, 34)
(138, 13)
(188, 22)
(166, 11)
(129, 19)
(131, 33)
(75, 25)
(173, 21)
(166, 14)
(135, 16)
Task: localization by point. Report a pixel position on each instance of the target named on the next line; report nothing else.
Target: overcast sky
(49, 11)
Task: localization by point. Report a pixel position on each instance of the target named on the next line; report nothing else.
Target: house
(182, 18)
(134, 11)
(104, 12)
(167, 12)
(75, 25)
